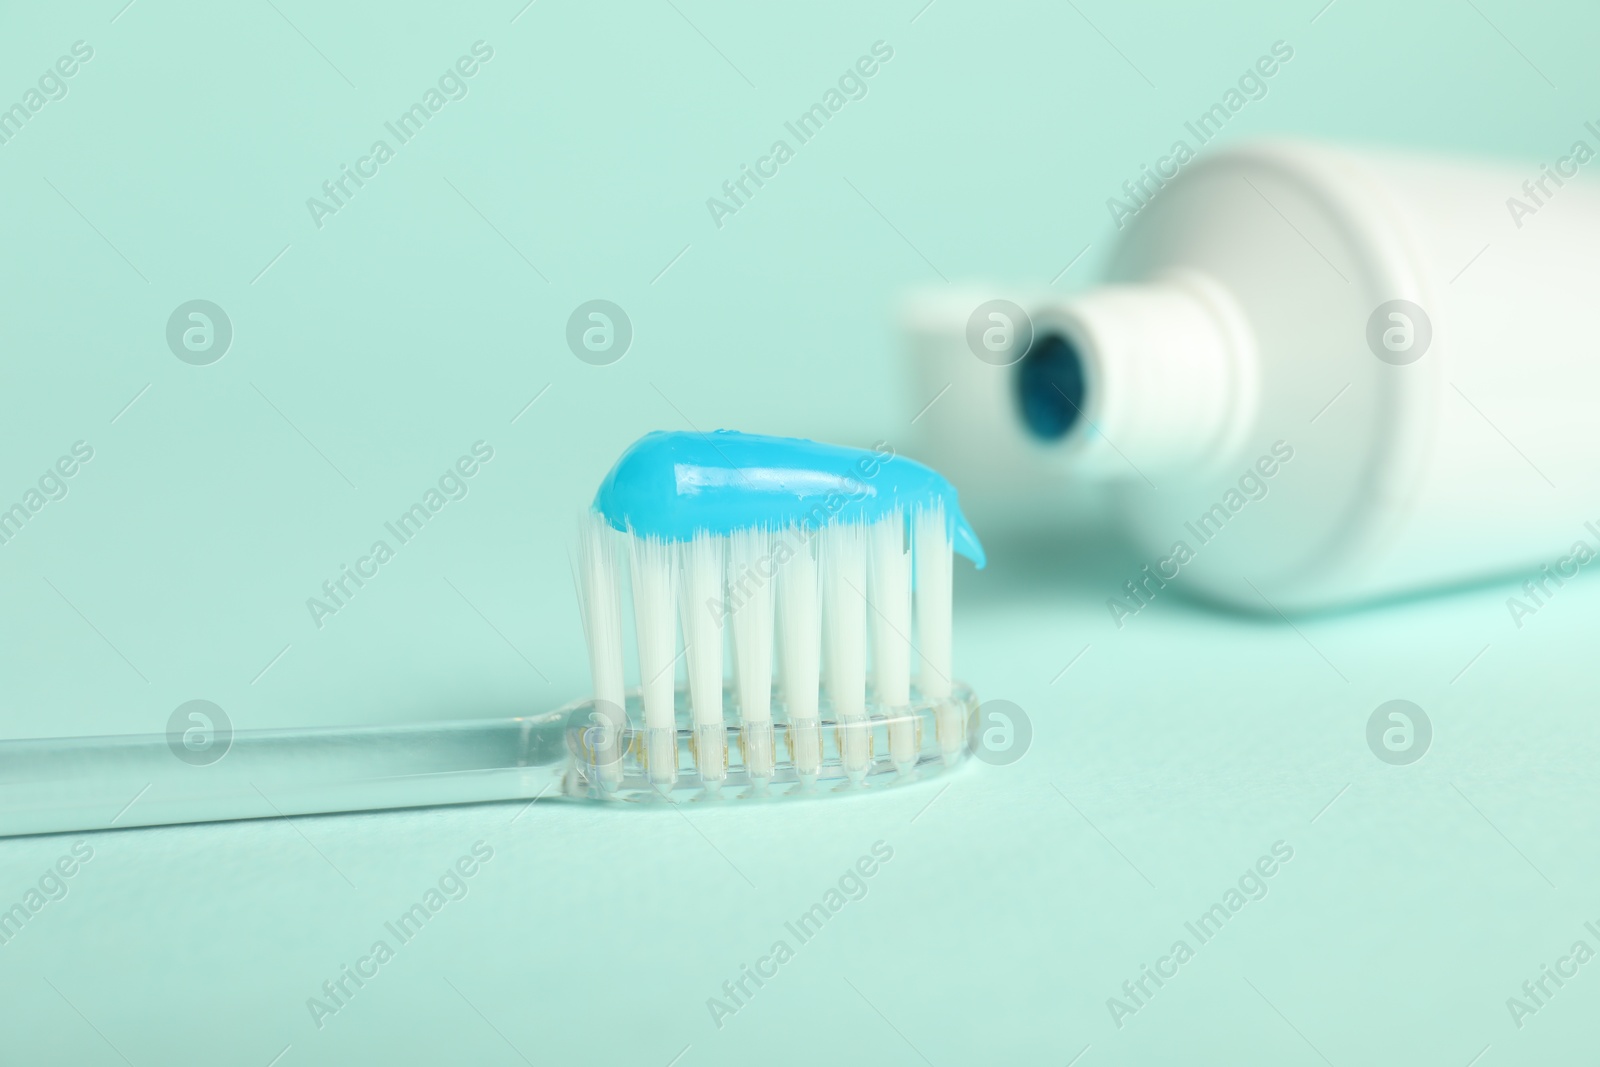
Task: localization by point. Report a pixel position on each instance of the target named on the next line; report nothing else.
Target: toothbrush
(812, 559)
(819, 557)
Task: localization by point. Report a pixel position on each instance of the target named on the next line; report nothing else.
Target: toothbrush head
(770, 567)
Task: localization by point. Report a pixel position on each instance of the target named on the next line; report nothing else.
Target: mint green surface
(422, 317)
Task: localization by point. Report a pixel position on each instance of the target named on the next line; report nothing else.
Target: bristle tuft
(751, 571)
(655, 618)
(600, 607)
(753, 558)
(800, 647)
(704, 606)
(844, 639)
(889, 590)
(844, 616)
(796, 602)
(889, 583)
(933, 558)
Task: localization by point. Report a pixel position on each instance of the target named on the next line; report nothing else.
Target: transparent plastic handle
(58, 785)
(586, 751)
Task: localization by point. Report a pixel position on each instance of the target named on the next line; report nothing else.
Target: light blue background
(368, 355)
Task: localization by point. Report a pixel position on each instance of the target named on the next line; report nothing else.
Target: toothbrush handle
(60, 785)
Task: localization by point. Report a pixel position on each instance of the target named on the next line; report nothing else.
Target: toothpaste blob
(673, 485)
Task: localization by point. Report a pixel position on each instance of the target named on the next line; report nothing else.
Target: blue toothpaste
(673, 485)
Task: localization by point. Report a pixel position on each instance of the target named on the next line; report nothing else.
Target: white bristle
(843, 556)
(795, 599)
(800, 648)
(889, 588)
(704, 605)
(889, 593)
(752, 559)
(932, 556)
(655, 617)
(600, 608)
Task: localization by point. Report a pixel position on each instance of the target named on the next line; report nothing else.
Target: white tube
(1328, 375)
